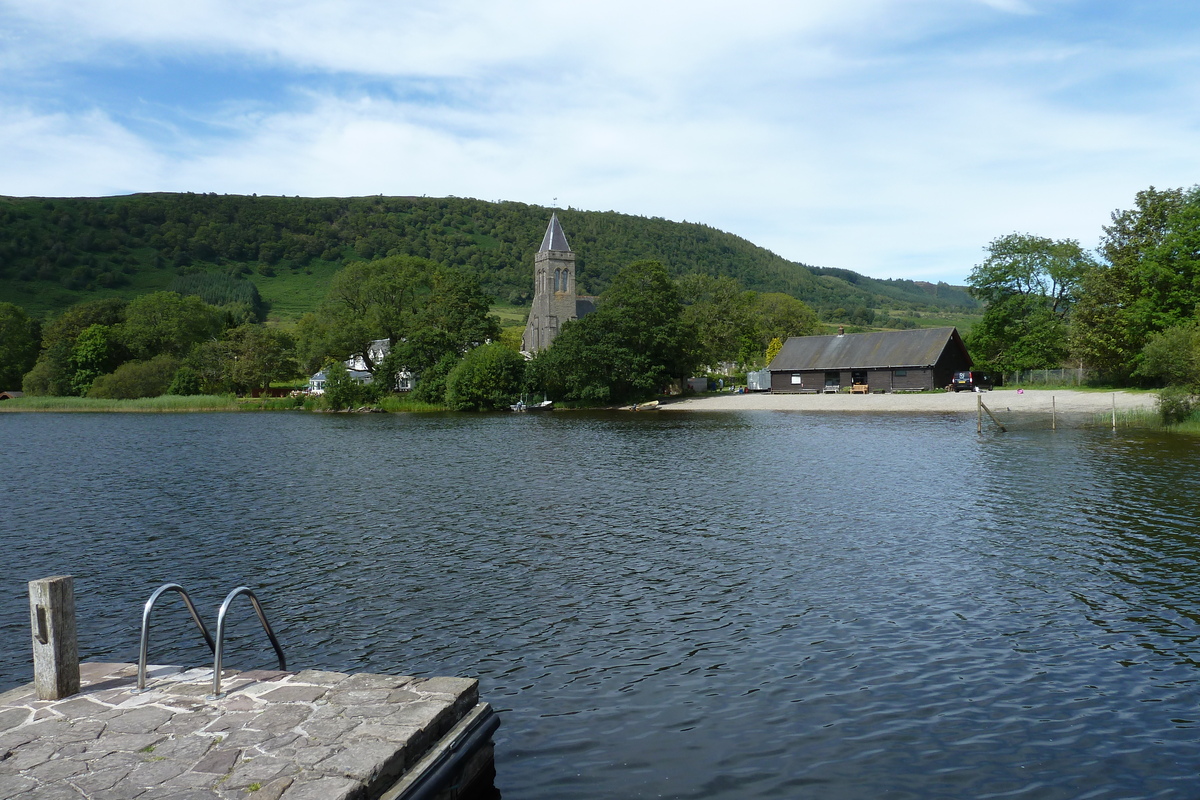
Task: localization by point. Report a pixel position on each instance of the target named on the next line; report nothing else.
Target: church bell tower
(554, 297)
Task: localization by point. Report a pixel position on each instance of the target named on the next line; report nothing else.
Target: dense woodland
(56, 252)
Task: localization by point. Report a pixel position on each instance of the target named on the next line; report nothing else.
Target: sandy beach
(1029, 400)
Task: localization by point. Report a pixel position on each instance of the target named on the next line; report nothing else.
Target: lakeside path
(1030, 400)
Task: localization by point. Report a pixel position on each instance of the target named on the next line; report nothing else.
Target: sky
(895, 138)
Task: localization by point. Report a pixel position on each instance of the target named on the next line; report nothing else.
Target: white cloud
(892, 138)
(64, 155)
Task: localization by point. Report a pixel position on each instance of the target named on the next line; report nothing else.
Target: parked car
(971, 381)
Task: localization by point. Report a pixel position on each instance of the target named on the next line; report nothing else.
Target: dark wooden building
(887, 361)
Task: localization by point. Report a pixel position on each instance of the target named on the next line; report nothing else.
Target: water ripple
(711, 606)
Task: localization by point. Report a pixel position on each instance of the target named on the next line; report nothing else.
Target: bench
(859, 388)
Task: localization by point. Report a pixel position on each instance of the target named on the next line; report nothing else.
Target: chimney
(841, 331)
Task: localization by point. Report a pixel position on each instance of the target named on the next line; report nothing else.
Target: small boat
(522, 406)
(650, 406)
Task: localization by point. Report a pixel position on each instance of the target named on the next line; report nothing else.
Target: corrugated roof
(554, 239)
(881, 350)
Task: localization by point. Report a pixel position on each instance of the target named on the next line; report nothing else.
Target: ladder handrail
(145, 641)
(218, 651)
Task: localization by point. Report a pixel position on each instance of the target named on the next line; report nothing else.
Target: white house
(356, 365)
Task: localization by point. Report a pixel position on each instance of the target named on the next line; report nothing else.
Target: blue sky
(895, 138)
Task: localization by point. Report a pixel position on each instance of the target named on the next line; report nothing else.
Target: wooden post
(1114, 410)
(1053, 416)
(993, 418)
(979, 413)
(55, 646)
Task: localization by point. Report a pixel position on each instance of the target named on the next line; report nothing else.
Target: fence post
(55, 645)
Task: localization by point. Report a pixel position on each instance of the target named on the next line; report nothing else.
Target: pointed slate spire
(554, 239)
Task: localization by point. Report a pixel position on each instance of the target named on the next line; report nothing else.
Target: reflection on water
(718, 606)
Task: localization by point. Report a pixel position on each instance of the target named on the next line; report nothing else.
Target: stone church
(554, 297)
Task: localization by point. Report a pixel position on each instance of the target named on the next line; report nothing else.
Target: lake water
(733, 605)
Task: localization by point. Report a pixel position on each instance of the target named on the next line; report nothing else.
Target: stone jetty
(273, 735)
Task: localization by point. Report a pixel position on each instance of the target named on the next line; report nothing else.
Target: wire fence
(1047, 377)
(1013, 413)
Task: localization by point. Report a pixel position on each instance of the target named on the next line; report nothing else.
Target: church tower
(554, 297)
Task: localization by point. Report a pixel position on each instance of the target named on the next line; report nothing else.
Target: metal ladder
(217, 647)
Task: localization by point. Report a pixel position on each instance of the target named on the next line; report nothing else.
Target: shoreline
(1063, 401)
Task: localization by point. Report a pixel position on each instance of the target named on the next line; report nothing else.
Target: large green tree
(424, 310)
(370, 300)
(54, 372)
(255, 355)
(167, 323)
(719, 311)
(20, 339)
(780, 316)
(635, 344)
(1136, 291)
(1029, 285)
(453, 317)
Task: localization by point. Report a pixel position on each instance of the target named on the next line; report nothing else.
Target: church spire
(554, 239)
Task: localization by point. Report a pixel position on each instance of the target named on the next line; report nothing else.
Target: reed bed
(165, 403)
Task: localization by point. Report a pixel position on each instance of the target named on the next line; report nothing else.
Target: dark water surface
(675, 605)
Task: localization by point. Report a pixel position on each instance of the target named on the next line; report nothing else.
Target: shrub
(1175, 405)
(431, 383)
(488, 378)
(341, 390)
(186, 382)
(136, 379)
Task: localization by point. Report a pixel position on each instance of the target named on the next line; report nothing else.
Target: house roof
(554, 239)
(880, 350)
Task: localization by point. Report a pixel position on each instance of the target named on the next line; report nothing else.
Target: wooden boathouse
(883, 361)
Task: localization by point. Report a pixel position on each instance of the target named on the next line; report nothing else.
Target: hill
(58, 251)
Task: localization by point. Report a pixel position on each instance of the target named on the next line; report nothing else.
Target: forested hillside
(58, 251)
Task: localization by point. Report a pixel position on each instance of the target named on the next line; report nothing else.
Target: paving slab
(274, 735)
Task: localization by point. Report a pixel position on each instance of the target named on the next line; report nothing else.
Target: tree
(167, 323)
(719, 311)
(425, 311)
(1017, 333)
(20, 338)
(341, 390)
(780, 316)
(370, 300)
(96, 352)
(633, 345)
(1029, 285)
(1145, 286)
(486, 379)
(256, 355)
(1031, 266)
(54, 374)
(773, 348)
(208, 363)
